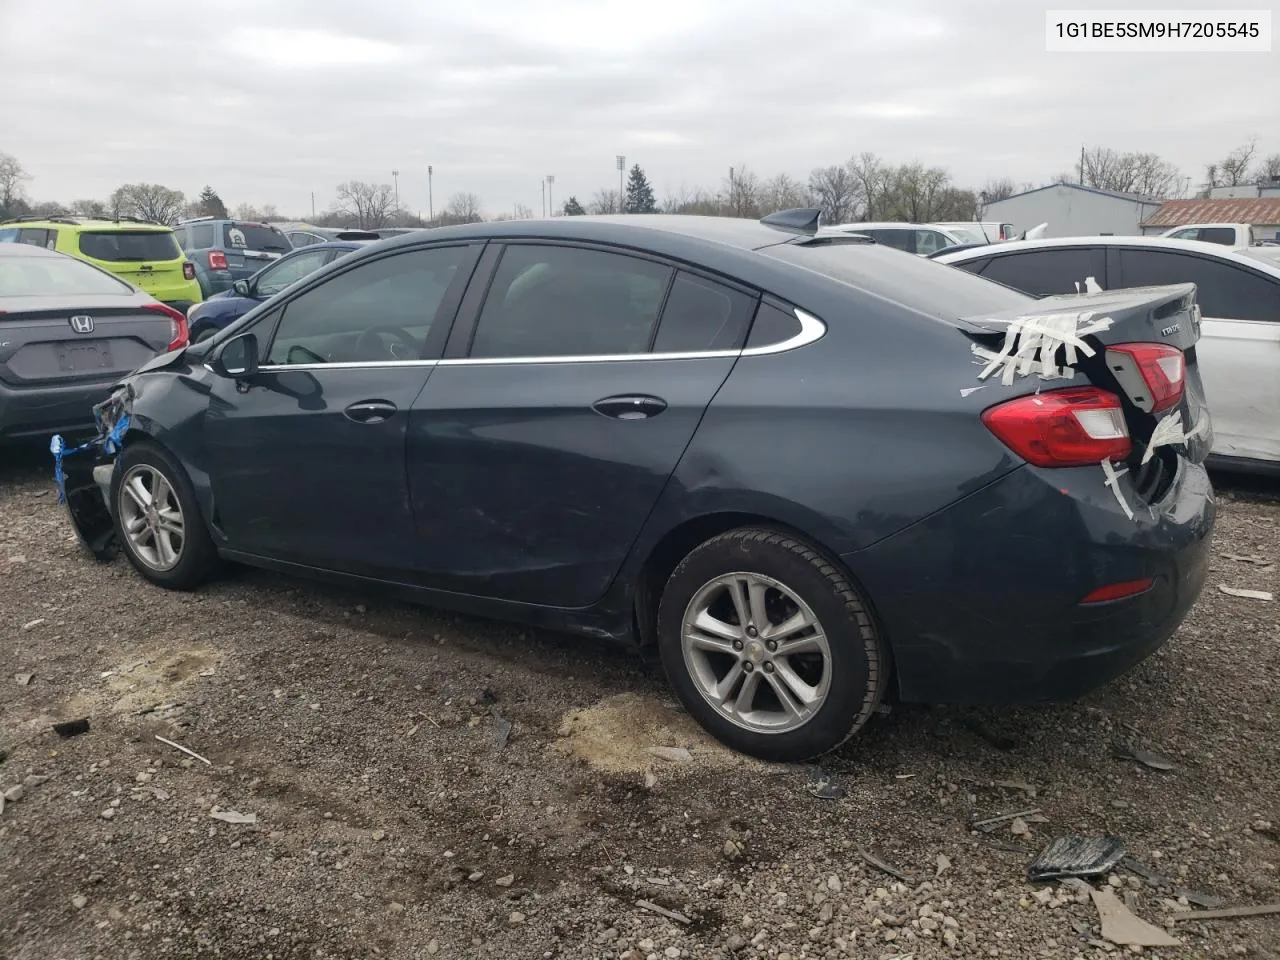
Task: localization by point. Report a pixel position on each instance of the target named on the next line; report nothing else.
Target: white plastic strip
(1031, 343)
(1113, 481)
(1169, 432)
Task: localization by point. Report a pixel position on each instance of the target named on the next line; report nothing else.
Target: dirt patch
(620, 734)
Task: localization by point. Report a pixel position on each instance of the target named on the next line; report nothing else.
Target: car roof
(95, 223)
(333, 245)
(879, 225)
(26, 250)
(1216, 250)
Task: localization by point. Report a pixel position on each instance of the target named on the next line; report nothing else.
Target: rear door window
(930, 241)
(255, 236)
(1218, 235)
(898, 239)
(202, 236)
(1191, 233)
(129, 246)
(38, 237)
(1223, 290)
(276, 278)
(1043, 273)
(560, 301)
(701, 314)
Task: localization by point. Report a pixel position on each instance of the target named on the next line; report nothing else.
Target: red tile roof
(1256, 211)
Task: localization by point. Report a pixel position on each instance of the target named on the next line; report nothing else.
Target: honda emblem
(82, 323)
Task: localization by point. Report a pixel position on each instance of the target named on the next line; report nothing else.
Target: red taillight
(177, 324)
(1063, 428)
(1118, 591)
(1162, 367)
(188, 270)
(217, 260)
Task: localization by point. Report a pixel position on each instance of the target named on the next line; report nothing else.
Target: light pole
(431, 206)
(622, 165)
(544, 198)
(551, 201)
(395, 175)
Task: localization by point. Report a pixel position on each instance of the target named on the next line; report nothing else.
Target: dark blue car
(807, 469)
(207, 318)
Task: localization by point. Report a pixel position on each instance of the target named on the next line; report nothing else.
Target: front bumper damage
(83, 474)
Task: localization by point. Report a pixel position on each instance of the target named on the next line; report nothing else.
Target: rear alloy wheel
(769, 646)
(157, 520)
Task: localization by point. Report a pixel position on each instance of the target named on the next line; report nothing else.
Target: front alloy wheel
(151, 517)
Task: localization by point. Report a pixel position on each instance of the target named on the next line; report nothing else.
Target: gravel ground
(425, 785)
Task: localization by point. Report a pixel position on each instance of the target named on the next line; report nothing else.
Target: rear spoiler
(356, 235)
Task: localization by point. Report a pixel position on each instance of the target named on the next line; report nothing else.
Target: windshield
(256, 236)
(936, 289)
(129, 246)
(36, 276)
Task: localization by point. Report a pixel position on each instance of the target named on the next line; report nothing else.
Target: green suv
(144, 254)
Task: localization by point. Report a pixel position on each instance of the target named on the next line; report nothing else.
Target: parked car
(912, 237)
(306, 235)
(209, 317)
(979, 231)
(68, 331)
(1227, 234)
(225, 251)
(1239, 297)
(757, 448)
(144, 254)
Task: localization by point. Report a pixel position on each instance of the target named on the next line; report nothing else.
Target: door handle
(370, 411)
(630, 407)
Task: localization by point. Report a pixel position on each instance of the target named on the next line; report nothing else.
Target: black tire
(197, 557)
(859, 662)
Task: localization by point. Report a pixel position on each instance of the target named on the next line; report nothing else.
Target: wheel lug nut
(737, 644)
(772, 645)
(768, 668)
(748, 666)
(751, 631)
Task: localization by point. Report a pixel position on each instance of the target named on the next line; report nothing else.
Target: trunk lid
(251, 246)
(1168, 316)
(40, 345)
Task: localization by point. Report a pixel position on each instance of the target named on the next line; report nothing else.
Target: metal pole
(551, 203)
(431, 206)
(544, 198)
(622, 165)
(733, 203)
(395, 175)
(313, 204)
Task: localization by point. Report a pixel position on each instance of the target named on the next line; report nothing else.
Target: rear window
(36, 276)
(928, 286)
(255, 236)
(127, 246)
(1225, 235)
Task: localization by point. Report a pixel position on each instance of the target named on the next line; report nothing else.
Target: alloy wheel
(151, 517)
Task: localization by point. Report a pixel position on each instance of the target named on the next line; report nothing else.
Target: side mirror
(242, 287)
(237, 358)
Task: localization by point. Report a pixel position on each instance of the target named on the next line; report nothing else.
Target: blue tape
(111, 441)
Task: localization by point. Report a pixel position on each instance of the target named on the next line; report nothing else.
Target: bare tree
(148, 201)
(995, 190)
(369, 205)
(89, 208)
(49, 208)
(12, 176)
(605, 201)
(1233, 169)
(872, 180)
(463, 208)
(1138, 173)
(264, 214)
(1267, 169)
(781, 193)
(835, 190)
(740, 193)
(917, 192)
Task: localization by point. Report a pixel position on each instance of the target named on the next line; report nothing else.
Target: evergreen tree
(572, 208)
(639, 198)
(211, 204)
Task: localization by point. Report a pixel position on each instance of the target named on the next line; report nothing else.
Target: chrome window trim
(811, 330)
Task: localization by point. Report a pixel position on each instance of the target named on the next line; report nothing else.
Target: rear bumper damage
(84, 475)
(982, 604)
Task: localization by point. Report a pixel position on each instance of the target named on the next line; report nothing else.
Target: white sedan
(1238, 355)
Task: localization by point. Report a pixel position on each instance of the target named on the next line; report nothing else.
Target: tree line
(863, 188)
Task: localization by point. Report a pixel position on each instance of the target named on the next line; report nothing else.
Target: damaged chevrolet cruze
(810, 471)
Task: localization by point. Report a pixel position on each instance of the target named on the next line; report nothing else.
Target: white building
(1072, 210)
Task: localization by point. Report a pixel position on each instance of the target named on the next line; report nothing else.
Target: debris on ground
(501, 731)
(178, 746)
(233, 816)
(1262, 562)
(672, 754)
(1076, 857)
(1124, 751)
(1230, 913)
(823, 785)
(998, 740)
(663, 912)
(71, 728)
(23, 679)
(884, 867)
(992, 822)
(1018, 827)
(32, 624)
(1246, 594)
(944, 864)
(1026, 788)
(1121, 926)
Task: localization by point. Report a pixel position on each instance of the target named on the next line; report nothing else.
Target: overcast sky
(269, 100)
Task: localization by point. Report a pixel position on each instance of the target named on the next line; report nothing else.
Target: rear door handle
(370, 411)
(630, 407)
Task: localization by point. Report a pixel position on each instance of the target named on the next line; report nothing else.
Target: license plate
(82, 357)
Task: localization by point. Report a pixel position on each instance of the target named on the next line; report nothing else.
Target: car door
(1239, 349)
(566, 398)
(930, 241)
(307, 457)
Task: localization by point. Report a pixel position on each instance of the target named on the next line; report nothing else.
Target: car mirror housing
(242, 287)
(237, 358)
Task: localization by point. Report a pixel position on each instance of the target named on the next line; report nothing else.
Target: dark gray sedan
(68, 331)
(807, 469)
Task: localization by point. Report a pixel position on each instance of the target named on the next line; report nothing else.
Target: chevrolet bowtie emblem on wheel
(82, 323)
